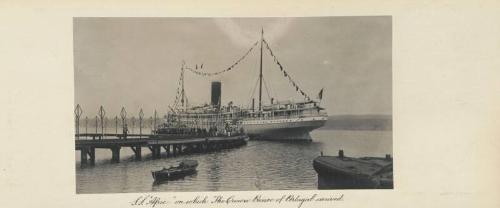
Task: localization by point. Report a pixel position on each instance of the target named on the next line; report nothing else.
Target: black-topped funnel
(216, 94)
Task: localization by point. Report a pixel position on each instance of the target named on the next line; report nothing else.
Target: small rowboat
(185, 168)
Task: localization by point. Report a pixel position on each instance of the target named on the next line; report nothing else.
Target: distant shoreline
(359, 122)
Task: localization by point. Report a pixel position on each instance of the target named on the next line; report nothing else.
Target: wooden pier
(172, 146)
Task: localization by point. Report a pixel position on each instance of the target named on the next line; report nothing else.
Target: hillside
(359, 122)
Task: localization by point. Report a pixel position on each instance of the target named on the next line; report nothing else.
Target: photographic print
(232, 104)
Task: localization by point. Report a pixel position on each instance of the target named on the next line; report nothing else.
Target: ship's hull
(291, 129)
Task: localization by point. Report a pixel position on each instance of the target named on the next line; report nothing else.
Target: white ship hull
(283, 129)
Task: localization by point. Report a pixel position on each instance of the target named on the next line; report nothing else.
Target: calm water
(260, 165)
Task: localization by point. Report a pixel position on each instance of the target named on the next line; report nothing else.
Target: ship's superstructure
(209, 119)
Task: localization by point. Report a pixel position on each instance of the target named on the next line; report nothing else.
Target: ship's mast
(182, 89)
(260, 75)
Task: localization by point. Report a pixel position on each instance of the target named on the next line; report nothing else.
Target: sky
(136, 62)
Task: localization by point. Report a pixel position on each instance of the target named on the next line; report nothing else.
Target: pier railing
(103, 127)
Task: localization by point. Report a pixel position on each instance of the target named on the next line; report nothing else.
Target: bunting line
(225, 70)
(285, 74)
(178, 93)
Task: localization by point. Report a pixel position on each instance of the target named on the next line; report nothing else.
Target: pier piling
(83, 158)
(156, 151)
(87, 155)
(137, 152)
(91, 153)
(115, 154)
(174, 150)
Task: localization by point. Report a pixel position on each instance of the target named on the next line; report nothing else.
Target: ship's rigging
(182, 99)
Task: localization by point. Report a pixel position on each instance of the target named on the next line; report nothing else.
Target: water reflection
(260, 165)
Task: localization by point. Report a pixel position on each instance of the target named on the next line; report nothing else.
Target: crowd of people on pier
(227, 130)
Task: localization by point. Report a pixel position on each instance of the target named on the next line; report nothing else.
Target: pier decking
(87, 143)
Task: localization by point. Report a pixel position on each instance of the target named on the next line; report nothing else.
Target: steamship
(279, 120)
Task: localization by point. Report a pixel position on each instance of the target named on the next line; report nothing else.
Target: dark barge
(341, 172)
